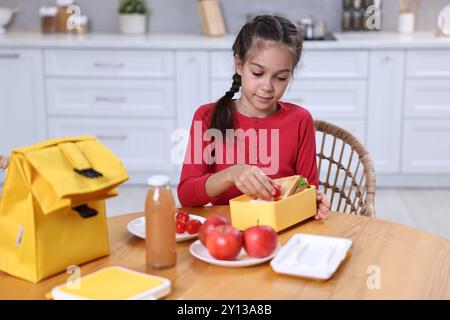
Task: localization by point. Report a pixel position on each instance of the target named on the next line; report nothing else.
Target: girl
(266, 52)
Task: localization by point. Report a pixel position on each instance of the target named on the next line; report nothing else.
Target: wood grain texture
(413, 265)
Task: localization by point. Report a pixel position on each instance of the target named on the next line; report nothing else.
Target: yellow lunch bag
(52, 211)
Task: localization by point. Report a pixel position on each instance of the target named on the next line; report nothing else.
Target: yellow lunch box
(279, 214)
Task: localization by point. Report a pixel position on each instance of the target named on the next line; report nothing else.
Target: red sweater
(296, 150)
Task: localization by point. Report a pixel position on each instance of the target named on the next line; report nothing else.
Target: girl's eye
(282, 79)
(257, 74)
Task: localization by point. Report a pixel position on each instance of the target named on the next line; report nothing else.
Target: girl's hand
(323, 206)
(251, 181)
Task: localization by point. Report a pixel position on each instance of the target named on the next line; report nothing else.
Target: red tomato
(182, 215)
(209, 225)
(181, 226)
(193, 226)
(260, 241)
(277, 191)
(224, 242)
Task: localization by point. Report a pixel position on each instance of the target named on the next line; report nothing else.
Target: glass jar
(356, 21)
(346, 21)
(48, 19)
(63, 15)
(347, 4)
(80, 24)
(160, 237)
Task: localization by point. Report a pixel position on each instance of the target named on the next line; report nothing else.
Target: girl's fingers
(326, 202)
(243, 188)
(323, 212)
(266, 183)
(261, 191)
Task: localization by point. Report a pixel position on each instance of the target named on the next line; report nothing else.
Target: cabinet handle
(387, 58)
(112, 137)
(9, 56)
(110, 99)
(109, 65)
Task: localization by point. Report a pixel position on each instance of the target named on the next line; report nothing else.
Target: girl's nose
(267, 85)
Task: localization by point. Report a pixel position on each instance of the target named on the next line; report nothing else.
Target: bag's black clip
(89, 173)
(85, 211)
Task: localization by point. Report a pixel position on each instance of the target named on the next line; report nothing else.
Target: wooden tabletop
(387, 261)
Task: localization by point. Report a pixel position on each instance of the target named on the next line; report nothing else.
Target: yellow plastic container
(279, 214)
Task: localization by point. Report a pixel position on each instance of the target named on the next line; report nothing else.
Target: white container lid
(158, 180)
(48, 11)
(64, 3)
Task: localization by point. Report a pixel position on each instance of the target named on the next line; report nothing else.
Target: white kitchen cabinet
(428, 63)
(143, 145)
(384, 118)
(328, 99)
(111, 97)
(192, 74)
(110, 63)
(22, 111)
(192, 70)
(426, 148)
(427, 98)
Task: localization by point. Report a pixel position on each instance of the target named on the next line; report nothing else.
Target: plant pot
(406, 22)
(133, 23)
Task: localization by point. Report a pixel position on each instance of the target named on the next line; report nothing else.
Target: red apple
(224, 242)
(208, 226)
(260, 241)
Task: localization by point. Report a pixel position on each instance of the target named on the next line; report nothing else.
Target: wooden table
(412, 265)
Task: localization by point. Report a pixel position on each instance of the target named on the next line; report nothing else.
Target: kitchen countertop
(350, 40)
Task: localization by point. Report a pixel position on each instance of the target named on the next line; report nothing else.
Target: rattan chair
(346, 171)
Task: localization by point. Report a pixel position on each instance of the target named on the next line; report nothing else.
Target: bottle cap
(158, 180)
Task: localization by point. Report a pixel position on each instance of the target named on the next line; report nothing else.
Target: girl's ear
(238, 65)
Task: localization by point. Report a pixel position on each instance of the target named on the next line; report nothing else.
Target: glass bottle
(160, 239)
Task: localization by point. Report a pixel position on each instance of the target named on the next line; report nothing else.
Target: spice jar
(48, 19)
(346, 21)
(356, 21)
(63, 15)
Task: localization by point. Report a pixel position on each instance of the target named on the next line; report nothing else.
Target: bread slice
(288, 185)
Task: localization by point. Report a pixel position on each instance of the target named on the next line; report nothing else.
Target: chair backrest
(346, 170)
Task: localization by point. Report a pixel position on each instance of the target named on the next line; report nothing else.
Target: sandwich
(287, 186)
(302, 185)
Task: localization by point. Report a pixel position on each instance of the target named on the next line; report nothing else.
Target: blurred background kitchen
(181, 15)
(132, 81)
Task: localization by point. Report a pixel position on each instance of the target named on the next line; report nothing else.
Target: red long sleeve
(191, 189)
(293, 153)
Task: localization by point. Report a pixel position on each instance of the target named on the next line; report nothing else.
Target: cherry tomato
(181, 226)
(277, 191)
(182, 215)
(193, 226)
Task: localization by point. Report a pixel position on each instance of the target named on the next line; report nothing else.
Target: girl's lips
(263, 99)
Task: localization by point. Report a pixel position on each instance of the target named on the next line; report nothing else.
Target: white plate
(198, 250)
(444, 20)
(137, 227)
(311, 256)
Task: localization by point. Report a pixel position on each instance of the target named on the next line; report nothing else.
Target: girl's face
(265, 76)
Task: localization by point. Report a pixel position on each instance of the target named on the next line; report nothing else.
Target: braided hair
(261, 28)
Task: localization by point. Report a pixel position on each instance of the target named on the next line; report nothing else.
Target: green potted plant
(133, 16)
